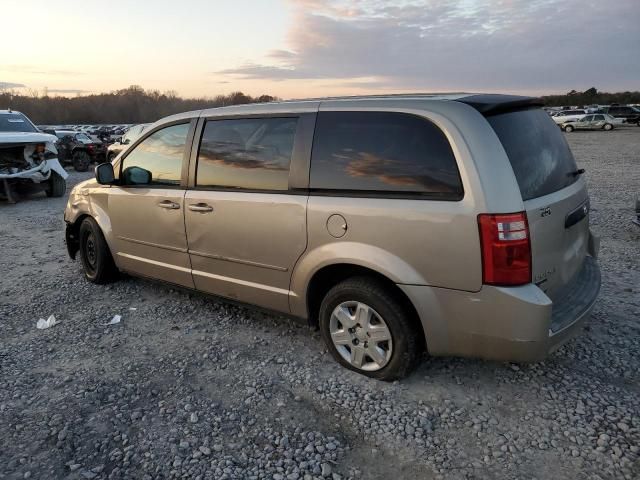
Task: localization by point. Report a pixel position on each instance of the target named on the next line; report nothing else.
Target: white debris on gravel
(43, 324)
(116, 319)
(203, 390)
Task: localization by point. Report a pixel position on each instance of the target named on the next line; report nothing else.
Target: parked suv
(627, 113)
(28, 157)
(455, 224)
(75, 148)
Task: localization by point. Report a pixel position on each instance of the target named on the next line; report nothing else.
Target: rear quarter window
(384, 152)
(538, 152)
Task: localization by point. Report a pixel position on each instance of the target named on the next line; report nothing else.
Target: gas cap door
(336, 225)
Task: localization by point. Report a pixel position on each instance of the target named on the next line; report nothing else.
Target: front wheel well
(326, 278)
(72, 235)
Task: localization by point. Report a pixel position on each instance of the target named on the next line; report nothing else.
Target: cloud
(458, 45)
(8, 85)
(66, 90)
(34, 70)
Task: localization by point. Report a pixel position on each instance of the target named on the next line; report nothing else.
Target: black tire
(81, 160)
(95, 256)
(607, 127)
(111, 156)
(568, 129)
(56, 186)
(638, 123)
(406, 337)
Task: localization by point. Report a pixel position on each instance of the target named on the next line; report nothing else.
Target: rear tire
(81, 160)
(95, 255)
(56, 185)
(607, 127)
(369, 330)
(568, 129)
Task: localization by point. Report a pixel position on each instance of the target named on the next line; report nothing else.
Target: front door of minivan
(146, 209)
(245, 227)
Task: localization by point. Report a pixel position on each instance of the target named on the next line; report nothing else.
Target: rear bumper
(519, 324)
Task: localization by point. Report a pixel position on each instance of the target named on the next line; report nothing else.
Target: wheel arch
(328, 276)
(98, 215)
(72, 235)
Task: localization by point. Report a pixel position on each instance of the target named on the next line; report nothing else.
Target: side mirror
(104, 174)
(136, 176)
(125, 141)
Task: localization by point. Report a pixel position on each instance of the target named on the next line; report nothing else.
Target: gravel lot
(189, 387)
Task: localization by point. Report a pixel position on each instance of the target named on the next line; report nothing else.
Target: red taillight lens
(506, 249)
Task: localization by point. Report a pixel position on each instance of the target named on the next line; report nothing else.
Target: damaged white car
(28, 157)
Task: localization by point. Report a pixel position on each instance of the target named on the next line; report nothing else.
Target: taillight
(506, 249)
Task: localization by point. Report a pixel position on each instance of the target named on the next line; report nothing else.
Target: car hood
(26, 137)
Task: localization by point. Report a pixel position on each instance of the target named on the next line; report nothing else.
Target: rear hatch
(554, 194)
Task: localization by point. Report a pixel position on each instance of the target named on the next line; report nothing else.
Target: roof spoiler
(492, 104)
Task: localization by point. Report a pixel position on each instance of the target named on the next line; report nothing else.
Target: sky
(308, 48)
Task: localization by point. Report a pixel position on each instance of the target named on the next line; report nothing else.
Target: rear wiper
(575, 173)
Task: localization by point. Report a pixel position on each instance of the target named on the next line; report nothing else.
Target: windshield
(15, 122)
(537, 150)
(83, 137)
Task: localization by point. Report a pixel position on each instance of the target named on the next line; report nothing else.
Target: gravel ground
(189, 387)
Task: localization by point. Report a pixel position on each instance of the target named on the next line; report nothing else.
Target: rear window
(15, 122)
(538, 152)
(383, 152)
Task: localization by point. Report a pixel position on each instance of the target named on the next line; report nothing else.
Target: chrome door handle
(200, 207)
(169, 204)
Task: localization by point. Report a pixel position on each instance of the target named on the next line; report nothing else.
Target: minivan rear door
(553, 191)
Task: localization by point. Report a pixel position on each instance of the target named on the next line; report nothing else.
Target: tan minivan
(455, 224)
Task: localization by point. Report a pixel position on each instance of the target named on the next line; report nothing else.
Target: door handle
(200, 207)
(169, 204)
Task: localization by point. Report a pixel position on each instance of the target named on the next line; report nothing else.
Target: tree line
(591, 96)
(136, 105)
(129, 105)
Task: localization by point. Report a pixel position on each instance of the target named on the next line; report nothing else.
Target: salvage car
(455, 224)
(568, 116)
(599, 121)
(129, 136)
(76, 148)
(28, 157)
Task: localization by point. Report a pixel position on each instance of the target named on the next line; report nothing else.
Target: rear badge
(545, 212)
(542, 277)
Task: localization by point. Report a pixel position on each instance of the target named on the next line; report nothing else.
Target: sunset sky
(307, 48)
